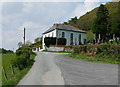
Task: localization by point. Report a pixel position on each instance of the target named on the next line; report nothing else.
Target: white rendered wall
(47, 35)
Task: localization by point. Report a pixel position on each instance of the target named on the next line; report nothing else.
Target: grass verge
(0, 70)
(94, 59)
(13, 79)
(56, 51)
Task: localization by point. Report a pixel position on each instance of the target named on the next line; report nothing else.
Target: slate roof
(64, 27)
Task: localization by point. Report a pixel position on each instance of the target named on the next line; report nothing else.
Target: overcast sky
(37, 17)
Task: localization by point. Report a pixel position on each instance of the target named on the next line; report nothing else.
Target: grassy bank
(0, 70)
(56, 51)
(96, 58)
(13, 79)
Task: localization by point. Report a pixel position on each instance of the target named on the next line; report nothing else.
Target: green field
(12, 79)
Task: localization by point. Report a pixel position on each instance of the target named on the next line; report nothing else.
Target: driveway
(57, 69)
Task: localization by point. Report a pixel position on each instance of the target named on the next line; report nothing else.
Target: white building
(72, 34)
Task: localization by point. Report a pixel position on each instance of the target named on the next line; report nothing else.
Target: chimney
(56, 26)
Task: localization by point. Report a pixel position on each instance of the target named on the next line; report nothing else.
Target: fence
(4, 71)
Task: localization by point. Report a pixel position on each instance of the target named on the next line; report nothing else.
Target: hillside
(85, 22)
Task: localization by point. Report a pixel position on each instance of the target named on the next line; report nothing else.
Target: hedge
(61, 41)
(52, 41)
(49, 41)
(102, 49)
(22, 57)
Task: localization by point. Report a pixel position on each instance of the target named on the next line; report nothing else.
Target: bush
(47, 41)
(22, 57)
(22, 50)
(106, 50)
(50, 41)
(62, 41)
(76, 49)
(53, 40)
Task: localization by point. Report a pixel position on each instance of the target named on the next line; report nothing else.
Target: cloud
(9, 38)
(37, 18)
(31, 25)
(33, 30)
(42, 0)
(27, 7)
(88, 5)
(91, 5)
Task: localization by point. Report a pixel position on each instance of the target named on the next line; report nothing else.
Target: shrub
(62, 41)
(103, 50)
(50, 41)
(76, 49)
(53, 40)
(47, 41)
(22, 57)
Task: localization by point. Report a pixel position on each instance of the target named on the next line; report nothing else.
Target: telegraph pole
(24, 36)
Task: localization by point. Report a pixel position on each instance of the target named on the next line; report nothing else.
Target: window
(52, 34)
(63, 34)
(80, 39)
(71, 39)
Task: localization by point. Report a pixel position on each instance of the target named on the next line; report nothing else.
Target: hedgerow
(22, 57)
(102, 50)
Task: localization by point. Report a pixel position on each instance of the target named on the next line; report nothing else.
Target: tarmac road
(57, 69)
(78, 72)
(43, 72)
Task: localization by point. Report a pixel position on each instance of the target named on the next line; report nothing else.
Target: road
(57, 69)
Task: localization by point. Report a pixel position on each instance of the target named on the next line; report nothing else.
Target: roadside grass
(0, 70)
(13, 79)
(85, 57)
(56, 51)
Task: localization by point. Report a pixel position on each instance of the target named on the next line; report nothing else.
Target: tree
(2, 50)
(100, 25)
(37, 39)
(65, 23)
(20, 44)
(73, 21)
(41, 39)
(115, 28)
(28, 43)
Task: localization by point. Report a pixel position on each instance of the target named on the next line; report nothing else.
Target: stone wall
(63, 48)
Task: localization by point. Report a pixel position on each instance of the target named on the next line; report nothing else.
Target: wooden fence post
(12, 69)
(5, 74)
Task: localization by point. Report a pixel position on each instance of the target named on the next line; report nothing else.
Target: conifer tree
(100, 25)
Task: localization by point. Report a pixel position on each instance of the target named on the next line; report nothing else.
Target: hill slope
(85, 22)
